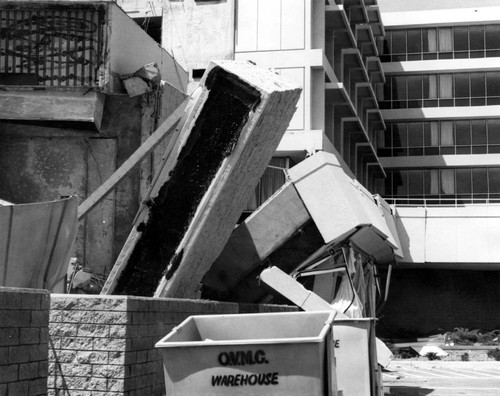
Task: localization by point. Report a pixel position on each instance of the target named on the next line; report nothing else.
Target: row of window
(442, 43)
(464, 183)
(441, 90)
(439, 138)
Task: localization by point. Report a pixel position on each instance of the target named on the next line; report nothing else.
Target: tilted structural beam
(226, 141)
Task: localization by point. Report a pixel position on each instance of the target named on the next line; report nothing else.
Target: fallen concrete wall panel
(320, 207)
(222, 150)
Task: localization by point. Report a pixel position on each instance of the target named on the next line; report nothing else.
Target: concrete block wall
(104, 345)
(24, 321)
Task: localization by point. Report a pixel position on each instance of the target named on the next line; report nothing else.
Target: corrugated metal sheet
(36, 242)
(51, 45)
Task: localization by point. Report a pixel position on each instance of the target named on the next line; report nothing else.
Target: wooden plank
(165, 166)
(145, 149)
(254, 240)
(285, 285)
(223, 149)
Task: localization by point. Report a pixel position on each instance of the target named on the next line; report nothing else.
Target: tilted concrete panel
(338, 204)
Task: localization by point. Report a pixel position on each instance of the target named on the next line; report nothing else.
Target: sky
(420, 5)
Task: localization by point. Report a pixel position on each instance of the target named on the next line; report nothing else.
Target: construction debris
(143, 80)
(136, 86)
(150, 73)
(229, 136)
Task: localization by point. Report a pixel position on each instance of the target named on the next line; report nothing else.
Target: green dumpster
(251, 354)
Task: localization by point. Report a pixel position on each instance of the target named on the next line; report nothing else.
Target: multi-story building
(440, 152)
(421, 128)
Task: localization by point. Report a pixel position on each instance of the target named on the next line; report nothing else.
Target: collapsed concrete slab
(223, 147)
(321, 207)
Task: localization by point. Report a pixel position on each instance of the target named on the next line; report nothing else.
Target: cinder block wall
(24, 321)
(104, 345)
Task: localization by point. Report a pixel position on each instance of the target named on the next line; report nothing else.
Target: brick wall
(423, 302)
(104, 345)
(24, 320)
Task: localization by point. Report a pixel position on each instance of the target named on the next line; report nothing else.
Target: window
(479, 181)
(493, 132)
(398, 88)
(445, 86)
(493, 88)
(494, 180)
(447, 177)
(459, 42)
(492, 40)
(442, 90)
(431, 182)
(476, 41)
(478, 132)
(445, 41)
(477, 89)
(462, 85)
(415, 135)
(447, 134)
(400, 135)
(440, 138)
(414, 91)
(430, 86)
(414, 44)
(462, 133)
(415, 182)
(399, 42)
(464, 185)
(401, 186)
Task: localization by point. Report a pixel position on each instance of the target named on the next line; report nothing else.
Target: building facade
(441, 107)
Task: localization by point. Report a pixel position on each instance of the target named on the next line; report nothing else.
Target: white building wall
(197, 32)
(439, 236)
(278, 34)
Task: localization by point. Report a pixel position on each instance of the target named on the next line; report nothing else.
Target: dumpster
(251, 354)
(355, 359)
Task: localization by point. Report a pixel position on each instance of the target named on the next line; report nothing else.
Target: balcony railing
(433, 202)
